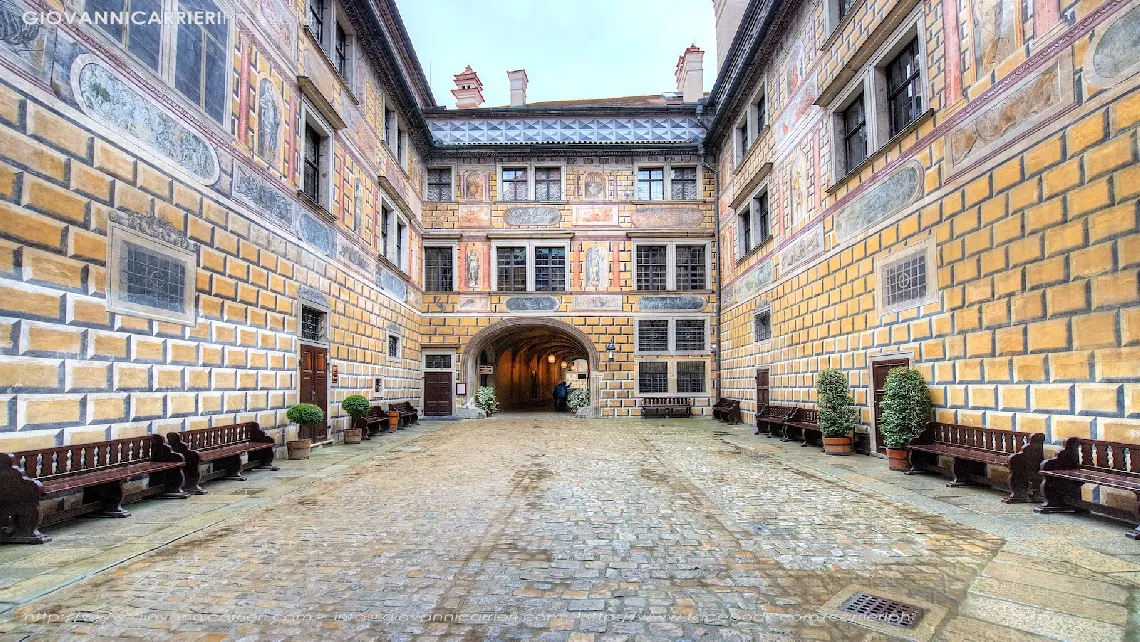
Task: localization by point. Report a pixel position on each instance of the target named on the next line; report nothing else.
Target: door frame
(453, 370)
(871, 361)
(310, 300)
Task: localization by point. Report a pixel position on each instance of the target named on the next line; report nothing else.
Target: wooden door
(314, 388)
(763, 394)
(879, 370)
(437, 394)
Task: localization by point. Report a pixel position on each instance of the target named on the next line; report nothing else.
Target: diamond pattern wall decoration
(515, 131)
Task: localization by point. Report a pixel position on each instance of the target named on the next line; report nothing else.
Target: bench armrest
(1068, 458)
(15, 486)
(258, 436)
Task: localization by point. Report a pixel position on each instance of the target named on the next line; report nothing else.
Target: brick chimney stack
(468, 90)
(518, 87)
(690, 74)
(728, 15)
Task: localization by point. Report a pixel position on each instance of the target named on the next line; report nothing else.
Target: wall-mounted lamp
(563, 365)
(550, 358)
(610, 347)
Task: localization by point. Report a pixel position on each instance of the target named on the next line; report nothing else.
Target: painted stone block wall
(1021, 177)
(91, 141)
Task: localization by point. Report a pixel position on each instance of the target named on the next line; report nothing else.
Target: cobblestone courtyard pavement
(535, 527)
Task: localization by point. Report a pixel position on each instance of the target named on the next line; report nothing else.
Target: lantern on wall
(563, 365)
(610, 347)
(550, 358)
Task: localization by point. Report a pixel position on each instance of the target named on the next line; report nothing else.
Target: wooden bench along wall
(408, 413)
(769, 418)
(99, 469)
(666, 407)
(971, 446)
(1089, 461)
(224, 446)
(376, 420)
(727, 410)
(806, 421)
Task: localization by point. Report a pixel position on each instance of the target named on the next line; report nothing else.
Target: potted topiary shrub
(579, 399)
(906, 411)
(303, 414)
(357, 406)
(836, 411)
(485, 400)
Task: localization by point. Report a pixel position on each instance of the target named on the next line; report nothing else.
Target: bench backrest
(377, 411)
(991, 439)
(1106, 455)
(807, 416)
(778, 411)
(77, 458)
(218, 435)
(666, 401)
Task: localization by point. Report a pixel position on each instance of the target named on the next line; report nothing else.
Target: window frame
(118, 235)
(671, 330)
(671, 262)
(451, 185)
(761, 311)
(311, 117)
(399, 347)
(428, 245)
(928, 247)
(756, 240)
(530, 245)
(667, 177)
(531, 171)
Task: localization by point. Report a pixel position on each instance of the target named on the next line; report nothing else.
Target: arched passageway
(528, 357)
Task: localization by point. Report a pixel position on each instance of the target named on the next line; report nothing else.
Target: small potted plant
(357, 406)
(485, 400)
(579, 399)
(906, 411)
(304, 415)
(836, 411)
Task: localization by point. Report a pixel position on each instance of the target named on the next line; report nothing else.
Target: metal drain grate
(880, 609)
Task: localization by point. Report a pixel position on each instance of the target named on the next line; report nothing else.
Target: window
(742, 141)
(401, 231)
(652, 335)
(312, 164)
(760, 109)
(340, 51)
(549, 269)
(390, 128)
(317, 19)
(744, 223)
(844, 7)
(547, 184)
(141, 38)
(689, 335)
(905, 280)
(683, 186)
(762, 326)
(651, 184)
(150, 279)
(385, 222)
(439, 273)
(690, 376)
(514, 184)
(402, 147)
(753, 222)
(691, 267)
(393, 346)
(312, 324)
(437, 362)
(439, 185)
(854, 134)
(511, 263)
(904, 88)
(652, 267)
(652, 377)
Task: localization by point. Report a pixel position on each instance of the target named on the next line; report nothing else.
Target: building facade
(226, 219)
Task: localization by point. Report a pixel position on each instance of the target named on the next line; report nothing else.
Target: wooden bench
(972, 447)
(1089, 461)
(376, 420)
(727, 410)
(769, 418)
(98, 469)
(666, 407)
(224, 446)
(805, 420)
(408, 414)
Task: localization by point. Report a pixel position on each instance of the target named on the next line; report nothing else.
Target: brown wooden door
(314, 388)
(763, 394)
(879, 370)
(437, 394)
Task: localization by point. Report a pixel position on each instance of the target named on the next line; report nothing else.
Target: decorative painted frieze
(1114, 50)
(597, 303)
(661, 303)
(596, 215)
(532, 216)
(879, 203)
(505, 131)
(391, 283)
(317, 234)
(804, 247)
(750, 284)
(652, 217)
(261, 196)
(532, 304)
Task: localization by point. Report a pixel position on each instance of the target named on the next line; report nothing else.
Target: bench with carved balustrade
(1089, 461)
(223, 446)
(972, 448)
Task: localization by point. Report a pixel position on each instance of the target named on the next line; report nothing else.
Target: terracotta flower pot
(837, 445)
(299, 449)
(352, 435)
(393, 420)
(898, 459)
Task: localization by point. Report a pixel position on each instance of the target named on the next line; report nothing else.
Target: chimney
(468, 90)
(518, 87)
(690, 74)
(728, 15)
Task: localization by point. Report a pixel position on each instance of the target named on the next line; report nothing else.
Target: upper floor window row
(191, 57)
(519, 183)
(671, 266)
(330, 28)
(678, 182)
(531, 267)
(751, 124)
(440, 185)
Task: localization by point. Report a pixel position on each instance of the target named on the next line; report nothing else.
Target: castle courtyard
(528, 526)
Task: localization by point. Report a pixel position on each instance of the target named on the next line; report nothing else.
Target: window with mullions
(317, 19)
(652, 377)
(401, 232)
(690, 335)
(691, 267)
(511, 264)
(385, 221)
(390, 128)
(142, 38)
(311, 182)
(844, 7)
(393, 346)
(690, 376)
(439, 273)
(437, 362)
(762, 326)
(905, 281)
(683, 184)
(549, 269)
(439, 186)
(514, 187)
(761, 109)
(854, 134)
(652, 267)
(151, 279)
(651, 184)
(904, 88)
(312, 324)
(652, 335)
(200, 62)
(340, 51)
(547, 184)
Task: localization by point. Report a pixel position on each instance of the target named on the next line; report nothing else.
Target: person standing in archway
(560, 394)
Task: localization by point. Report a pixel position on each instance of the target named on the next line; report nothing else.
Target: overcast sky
(569, 48)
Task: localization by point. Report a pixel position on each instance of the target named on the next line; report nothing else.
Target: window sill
(387, 262)
(316, 207)
(755, 250)
(399, 164)
(882, 150)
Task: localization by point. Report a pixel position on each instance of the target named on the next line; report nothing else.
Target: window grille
(549, 269)
(763, 325)
(652, 268)
(439, 274)
(690, 376)
(653, 335)
(312, 324)
(652, 377)
(691, 267)
(690, 334)
(511, 269)
(904, 281)
(152, 279)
